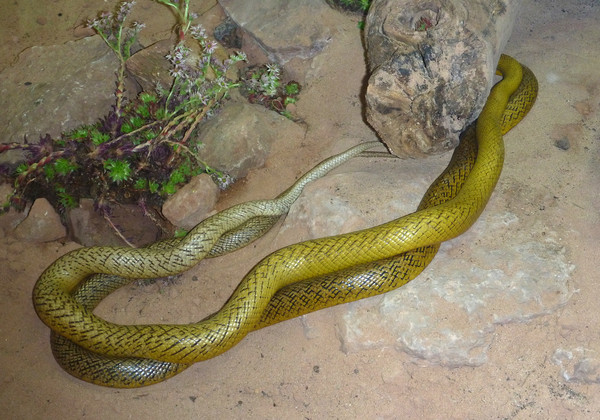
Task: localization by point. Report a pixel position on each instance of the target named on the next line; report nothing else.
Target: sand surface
(545, 367)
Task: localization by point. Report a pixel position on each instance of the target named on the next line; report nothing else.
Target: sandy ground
(296, 369)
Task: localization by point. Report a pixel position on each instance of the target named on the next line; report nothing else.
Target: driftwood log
(431, 66)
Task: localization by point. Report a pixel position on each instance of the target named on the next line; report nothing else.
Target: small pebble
(563, 143)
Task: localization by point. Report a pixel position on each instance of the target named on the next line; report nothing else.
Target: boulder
(431, 67)
(42, 224)
(192, 203)
(52, 89)
(239, 138)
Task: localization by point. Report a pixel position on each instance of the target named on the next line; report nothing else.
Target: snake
(291, 281)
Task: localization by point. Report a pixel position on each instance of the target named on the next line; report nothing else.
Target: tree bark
(431, 67)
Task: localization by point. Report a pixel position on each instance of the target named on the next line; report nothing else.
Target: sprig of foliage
(118, 170)
(145, 148)
(263, 86)
(111, 27)
(184, 16)
(362, 5)
(356, 6)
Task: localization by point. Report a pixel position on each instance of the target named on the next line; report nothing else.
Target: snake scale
(292, 281)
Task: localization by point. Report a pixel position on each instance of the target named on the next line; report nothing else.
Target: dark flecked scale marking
(275, 290)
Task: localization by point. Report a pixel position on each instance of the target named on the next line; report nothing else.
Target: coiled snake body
(291, 281)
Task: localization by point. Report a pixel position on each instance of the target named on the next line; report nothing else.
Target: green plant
(292, 89)
(142, 150)
(360, 5)
(263, 86)
(184, 16)
(111, 27)
(357, 6)
(118, 170)
(423, 24)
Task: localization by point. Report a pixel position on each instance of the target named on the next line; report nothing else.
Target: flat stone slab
(495, 273)
(56, 88)
(284, 29)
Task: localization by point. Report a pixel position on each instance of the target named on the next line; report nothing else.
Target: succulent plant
(143, 149)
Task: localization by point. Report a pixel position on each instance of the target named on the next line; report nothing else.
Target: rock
(149, 66)
(6, 191)
(495, 273)
(283, 29)
(42, 224)
(192, 203)
(56, 88)
(449, 316)
(333, 205)
(10, 219)
(578, 365)
(89, 228)
(229, 34)
(239, 138)
(431, 66)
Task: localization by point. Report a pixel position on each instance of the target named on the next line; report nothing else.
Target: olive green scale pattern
(292, 281)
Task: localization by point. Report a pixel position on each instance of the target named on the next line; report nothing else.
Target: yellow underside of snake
(292, 281)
